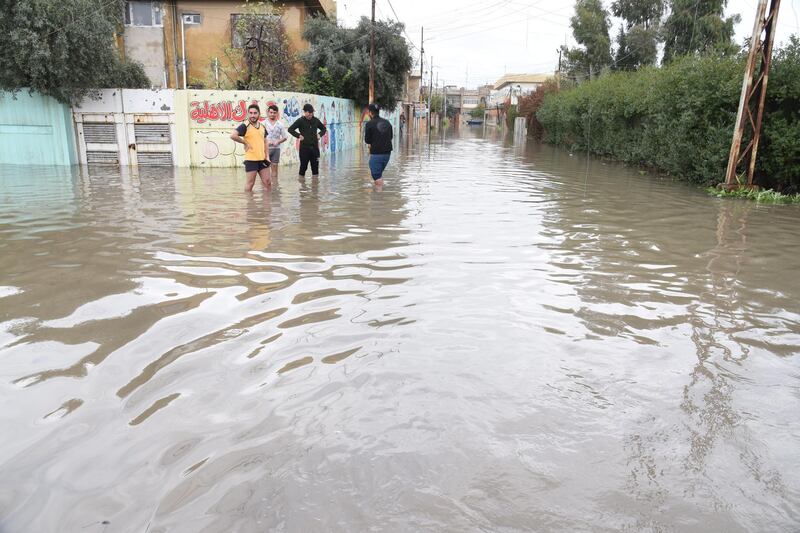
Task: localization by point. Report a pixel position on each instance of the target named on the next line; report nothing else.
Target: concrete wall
(205, 119)
(412, 88)
(145, 44)
(35, 130)
(175, 127)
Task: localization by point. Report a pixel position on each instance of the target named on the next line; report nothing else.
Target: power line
(484, 21)
(410, 41)
(544, 12)
(469, 12)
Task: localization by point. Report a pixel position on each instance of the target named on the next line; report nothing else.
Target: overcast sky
(473, 42)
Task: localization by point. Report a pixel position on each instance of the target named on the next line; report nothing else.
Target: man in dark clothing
(305, 128)
(378, 135)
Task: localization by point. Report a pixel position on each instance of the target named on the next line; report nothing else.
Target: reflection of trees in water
(715, 320)
(634, 273)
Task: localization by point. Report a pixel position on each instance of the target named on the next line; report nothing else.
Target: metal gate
(119, 128)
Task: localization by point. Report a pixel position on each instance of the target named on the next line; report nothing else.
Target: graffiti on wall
(213, 115)
(200, 112)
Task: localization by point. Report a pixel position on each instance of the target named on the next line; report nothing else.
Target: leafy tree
(646, 13)
(698, 26)
(437, 103)
(590, 25)
(636, 47)
(63, 48)
(638, 38)
(478, 112)
(262, 58)
(324, 83)
(779, 154)
(343, 53)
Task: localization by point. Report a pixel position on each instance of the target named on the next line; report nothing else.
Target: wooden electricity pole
(558, 75)
(754, 93)
(372, 57)
(421, 51)
(430, 90)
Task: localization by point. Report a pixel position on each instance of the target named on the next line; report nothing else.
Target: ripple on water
(522, 347)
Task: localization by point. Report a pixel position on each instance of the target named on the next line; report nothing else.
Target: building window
(245, 36)
(141, 13)
(192, 18)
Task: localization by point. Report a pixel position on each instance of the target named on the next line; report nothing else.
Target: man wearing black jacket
(378, 135)
(305, 128)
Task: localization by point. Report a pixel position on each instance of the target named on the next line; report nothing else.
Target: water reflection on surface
(504, 338)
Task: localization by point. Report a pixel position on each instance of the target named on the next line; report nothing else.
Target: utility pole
(754, 93)
(372, 57)
(421, 51)
(558, 76)
(444, 90)
(430, 90)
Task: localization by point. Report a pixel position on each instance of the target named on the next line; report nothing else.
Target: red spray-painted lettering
(227, 111)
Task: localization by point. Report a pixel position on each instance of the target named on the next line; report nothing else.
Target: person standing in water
(308, 129)
(253, 135)
(276, 135)
(378, 136)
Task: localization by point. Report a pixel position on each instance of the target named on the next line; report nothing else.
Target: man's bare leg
(251, 181)
(273, 168)
(379, 184)
(265, 174)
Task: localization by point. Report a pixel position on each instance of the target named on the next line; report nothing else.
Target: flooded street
(503, 339)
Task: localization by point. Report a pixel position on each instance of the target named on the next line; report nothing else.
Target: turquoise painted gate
(35, 130)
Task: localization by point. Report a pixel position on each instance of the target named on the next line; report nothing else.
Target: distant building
(157, 34)
(453, 98)
(470, 99)
(511, 86)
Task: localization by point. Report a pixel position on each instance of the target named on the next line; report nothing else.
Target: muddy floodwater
(502, 339)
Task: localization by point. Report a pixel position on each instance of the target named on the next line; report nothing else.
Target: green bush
(478, 112)
(779, 150)
(529, 105)
(511, 115)
(679, 118)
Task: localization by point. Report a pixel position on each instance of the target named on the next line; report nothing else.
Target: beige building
(511, 86)
(160, 34)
